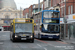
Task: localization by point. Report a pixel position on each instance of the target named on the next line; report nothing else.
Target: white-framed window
(71, 9)
(46, 4)
(62, 12)
(68, 9)
(33, 6)
(42, 7)
(49, 3)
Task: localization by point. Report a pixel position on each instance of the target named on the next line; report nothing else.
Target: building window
(4, 10)
(68, 9)
(33, 6)
(7, 17)
(61, 12)
(71, 9)
(46, 3)
(2, 13)
(9, 10)
(42, 7)
(64, 11)
(49, 3)
(11, 13)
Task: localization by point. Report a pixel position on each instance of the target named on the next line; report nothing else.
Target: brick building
(70, 7)
(60, 5)
(70, 14)
(47, 4)
(26, 13)
(30, 11)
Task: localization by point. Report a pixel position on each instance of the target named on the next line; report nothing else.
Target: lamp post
(38, 5)
(20, 11)
(65, 16)
(65, 21)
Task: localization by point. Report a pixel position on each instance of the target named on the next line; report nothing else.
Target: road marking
(46, 43)
(62, 42)
(39, 45)
(51, 44)
(45, 48)
(1, 42)
(3, 35)
(41, 41)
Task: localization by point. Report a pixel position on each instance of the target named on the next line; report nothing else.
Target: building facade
(8, 11)
(47, 4)
(37, 14)
(8, 14)
(30, 11)
(26, 13)
(7, 4)
(66, 12)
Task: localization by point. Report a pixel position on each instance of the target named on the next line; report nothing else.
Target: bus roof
(20, 18)
(23, 20)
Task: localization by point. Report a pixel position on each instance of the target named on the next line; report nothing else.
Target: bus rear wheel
(39, 36)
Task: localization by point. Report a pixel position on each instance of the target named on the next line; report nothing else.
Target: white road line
(1, 42)
(45, 48)
(39, 45)
(48, 44)
(3, 35)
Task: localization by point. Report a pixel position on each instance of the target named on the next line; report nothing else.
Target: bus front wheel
(13, 40)
(32, 41)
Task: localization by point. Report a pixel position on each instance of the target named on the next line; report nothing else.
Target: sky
(25, 3)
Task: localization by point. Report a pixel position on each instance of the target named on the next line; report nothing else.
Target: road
(6, 44)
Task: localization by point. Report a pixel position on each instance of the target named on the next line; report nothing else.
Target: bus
(47, 25)
(22, 29)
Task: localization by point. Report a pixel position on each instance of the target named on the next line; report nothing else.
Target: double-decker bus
(22, 29)
(48, 26)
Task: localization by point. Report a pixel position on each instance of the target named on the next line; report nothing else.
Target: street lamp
(65, 20)
(38, 5)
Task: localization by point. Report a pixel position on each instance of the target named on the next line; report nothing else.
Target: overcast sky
(25, 3)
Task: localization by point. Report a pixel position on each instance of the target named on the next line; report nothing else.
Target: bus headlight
(16, 36)
(57, 34)
(31, 36)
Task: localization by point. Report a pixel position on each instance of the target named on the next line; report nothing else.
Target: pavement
(47, 44)
(71, 41)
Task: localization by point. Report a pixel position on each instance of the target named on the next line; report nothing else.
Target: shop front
(7, 28)
(70, 29)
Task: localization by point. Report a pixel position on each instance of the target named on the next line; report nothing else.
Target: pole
(65, 21)
(16, 15)
(38, 5)
(73, 7)
(20, 12)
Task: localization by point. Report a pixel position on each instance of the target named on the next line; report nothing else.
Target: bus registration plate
(23, 38)
(50, 37)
